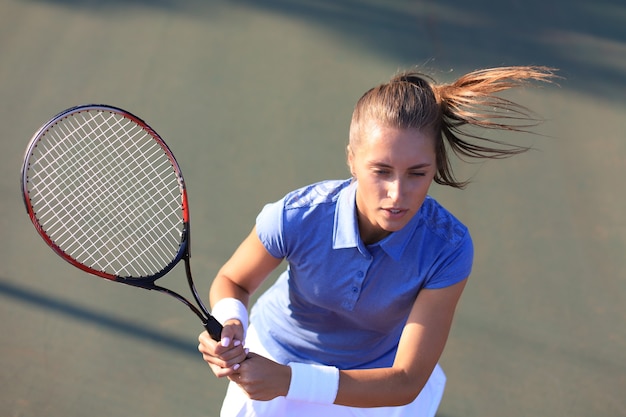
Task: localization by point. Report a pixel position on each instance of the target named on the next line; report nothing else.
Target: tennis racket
(105, 192)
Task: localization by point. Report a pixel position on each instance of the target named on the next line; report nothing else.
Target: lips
(395, 212)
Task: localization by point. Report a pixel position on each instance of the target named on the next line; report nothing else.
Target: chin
(391, 227)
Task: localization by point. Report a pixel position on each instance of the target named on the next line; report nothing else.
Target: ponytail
(453, 112)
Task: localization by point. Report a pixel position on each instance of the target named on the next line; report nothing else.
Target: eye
(381, 171)
(417, 174)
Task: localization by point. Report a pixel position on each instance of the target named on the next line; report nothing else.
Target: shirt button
(355, 290)
(360, 274)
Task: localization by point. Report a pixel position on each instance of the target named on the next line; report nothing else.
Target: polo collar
(346, 229)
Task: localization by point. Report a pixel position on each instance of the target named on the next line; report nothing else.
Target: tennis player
(357, 323)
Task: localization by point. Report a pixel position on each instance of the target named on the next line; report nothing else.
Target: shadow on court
(68, 310)
(255, 97)
(584, 40)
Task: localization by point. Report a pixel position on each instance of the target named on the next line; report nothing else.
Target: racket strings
(107, 194)
(115, 198)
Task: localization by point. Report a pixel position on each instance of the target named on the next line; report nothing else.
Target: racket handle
(214, 328)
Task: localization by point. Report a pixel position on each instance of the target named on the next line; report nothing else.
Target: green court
(255, 98)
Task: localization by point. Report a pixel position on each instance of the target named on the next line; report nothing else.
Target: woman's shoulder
(442, 222)
(315, 194)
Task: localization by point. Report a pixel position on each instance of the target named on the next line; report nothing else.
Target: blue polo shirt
(341, 302)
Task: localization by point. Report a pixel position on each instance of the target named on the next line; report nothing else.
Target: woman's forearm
(224, 287)
(383, 387)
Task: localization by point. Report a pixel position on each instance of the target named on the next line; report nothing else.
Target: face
(394, 168)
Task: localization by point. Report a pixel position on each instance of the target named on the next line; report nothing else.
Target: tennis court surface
(254, 98)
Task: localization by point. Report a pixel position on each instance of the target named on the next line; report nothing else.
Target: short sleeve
(269, 228)
(453, 267)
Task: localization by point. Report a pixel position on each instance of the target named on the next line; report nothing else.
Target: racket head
(105, 192)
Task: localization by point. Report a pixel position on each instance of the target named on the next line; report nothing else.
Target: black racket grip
(214, 328)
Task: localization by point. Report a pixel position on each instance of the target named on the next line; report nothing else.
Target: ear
(350, 156)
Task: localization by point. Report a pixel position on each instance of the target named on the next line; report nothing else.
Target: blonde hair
(412, 100)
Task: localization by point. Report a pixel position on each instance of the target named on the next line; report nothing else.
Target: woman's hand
(224, 357)
(261, 378)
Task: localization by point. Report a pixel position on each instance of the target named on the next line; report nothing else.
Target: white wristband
(231, 308)
(313, 383)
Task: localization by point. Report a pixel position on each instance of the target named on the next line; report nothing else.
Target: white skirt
(237, 403)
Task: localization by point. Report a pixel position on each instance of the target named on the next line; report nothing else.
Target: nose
(394, 189)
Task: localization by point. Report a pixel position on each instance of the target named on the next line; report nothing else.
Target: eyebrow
(416, 166)
(420, 166)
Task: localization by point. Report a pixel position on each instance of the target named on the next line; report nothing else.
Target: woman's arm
(244, 272)
(240, 276)
(421, 344)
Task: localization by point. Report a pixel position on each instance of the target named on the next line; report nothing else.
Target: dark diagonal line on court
(79, 313)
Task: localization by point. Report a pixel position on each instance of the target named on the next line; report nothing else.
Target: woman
(357, 323)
